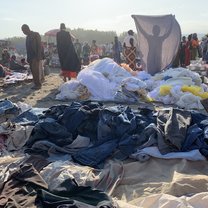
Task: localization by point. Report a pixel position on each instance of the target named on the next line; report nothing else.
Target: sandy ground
(43, 98)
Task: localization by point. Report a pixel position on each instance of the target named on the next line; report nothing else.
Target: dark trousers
(35, 69)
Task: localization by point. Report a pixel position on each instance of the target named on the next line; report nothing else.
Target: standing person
(107, 50)
(117, 48)
(188, 50)
(33, 47)
(111, 50)
(204, 46)
(94, 53)
(85, 53)
(70, 63)
(195, 46)
(103, 50)
(42, 60)
(78, 48)
(183, 51)
(130, 49)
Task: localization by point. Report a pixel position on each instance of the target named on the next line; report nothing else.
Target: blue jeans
(8, 110)
(95, 155)
(29, 117)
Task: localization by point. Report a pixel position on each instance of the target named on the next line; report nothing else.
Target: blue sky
(114, 15)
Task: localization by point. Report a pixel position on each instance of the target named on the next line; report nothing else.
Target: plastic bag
(165, 90)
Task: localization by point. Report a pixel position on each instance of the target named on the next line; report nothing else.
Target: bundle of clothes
(15, 71)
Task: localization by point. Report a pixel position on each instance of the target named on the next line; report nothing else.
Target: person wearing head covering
(33, 47)
(130, 49)
(70, 63)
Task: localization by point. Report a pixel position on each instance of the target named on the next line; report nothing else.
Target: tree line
(101, 37)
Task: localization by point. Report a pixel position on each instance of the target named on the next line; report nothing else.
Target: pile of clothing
(91, 132)
(74, 155)
(105, 80)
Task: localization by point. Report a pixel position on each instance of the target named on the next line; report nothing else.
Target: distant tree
(101, 37)
(122, 36)
(18, 43)
(83, 35)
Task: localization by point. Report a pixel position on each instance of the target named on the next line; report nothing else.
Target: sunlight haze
(108, 15)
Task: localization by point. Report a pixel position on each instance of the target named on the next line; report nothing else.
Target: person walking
(33, 47)
(70, 63)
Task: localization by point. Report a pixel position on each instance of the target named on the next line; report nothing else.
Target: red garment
(69, 74)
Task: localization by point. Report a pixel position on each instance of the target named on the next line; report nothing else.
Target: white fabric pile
(102, 79)
(105, 80)
(176, 79)
(72, 90)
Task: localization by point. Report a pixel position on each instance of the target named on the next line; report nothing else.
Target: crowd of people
(72, 54)
(126, 52)
(88, 52)
(9, 63)
(192, 48)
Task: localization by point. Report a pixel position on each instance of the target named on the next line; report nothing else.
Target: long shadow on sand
(17, 91)
(50, 100)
